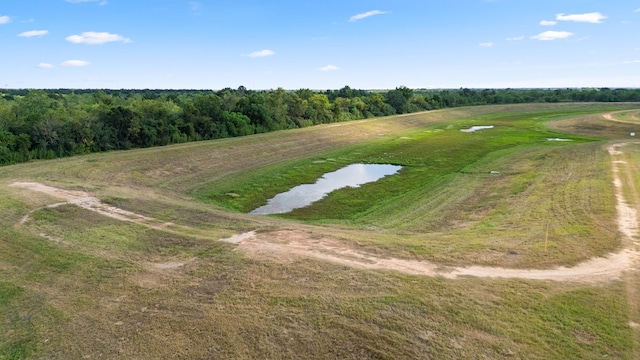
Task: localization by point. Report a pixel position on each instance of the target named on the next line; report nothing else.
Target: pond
(476, 128)
(300, 196)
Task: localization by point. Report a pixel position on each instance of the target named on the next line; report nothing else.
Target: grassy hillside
(77, 284)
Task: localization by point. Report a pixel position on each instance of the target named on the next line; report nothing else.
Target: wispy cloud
(593, 18)
(33, 33)
(75, 63)
(262, 53)
(195, 7)
(329, 68)
(552, 35)
(96, 38)
(515, 38)
(45, 66)
(631, 62)
(486, 44)
(4, 19)
(548, 23)
(637, 10)
(357, 17)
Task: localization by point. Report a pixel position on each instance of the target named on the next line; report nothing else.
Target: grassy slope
(91, 286)
(446, 195)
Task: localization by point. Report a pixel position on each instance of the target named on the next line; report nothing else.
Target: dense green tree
(319, 109)
(377, 105)
(7, 147)
(116, 128)
(399, 99)
(41, 124)
(238, 124)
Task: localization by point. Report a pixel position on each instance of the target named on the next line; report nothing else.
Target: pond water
(476, 128)
(300, 196)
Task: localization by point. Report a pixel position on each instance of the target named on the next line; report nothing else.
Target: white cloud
(594, 17)
(552, 35)
(33, 33)
(262, 53)
(75, 63)
(515, 38)
(96, 38)
(637, 10)
(4, 19)
(486, 44)
(45, 66)
(631, 62)
(548, 23)
(329, 68)
(355, 18)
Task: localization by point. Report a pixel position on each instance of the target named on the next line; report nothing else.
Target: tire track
(279, 245)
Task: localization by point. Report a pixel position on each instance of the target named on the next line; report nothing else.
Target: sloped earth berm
(285, 244)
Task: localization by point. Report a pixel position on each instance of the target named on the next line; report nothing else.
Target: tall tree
(399, 99)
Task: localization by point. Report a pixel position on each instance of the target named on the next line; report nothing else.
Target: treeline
(45, 124)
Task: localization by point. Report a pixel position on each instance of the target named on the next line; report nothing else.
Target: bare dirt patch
(284, 245)
(170, 265)
(85, 200)
(627, 215)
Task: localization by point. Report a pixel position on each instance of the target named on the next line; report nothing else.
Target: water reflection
(303, 195)
(476, 128)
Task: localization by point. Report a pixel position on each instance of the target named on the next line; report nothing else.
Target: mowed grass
(629, 116)
(426, 153)
(74, 284)
(484, 197)
(223, 306)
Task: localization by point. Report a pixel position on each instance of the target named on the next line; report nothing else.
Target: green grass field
(77, 284)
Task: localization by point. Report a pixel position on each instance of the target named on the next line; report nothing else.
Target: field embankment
(152, 279)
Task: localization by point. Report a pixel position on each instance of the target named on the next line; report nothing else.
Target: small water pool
(300, 196)
(476, 128)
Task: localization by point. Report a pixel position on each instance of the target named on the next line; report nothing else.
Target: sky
(328, 44)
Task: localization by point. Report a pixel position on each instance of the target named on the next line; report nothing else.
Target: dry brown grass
(93, 287)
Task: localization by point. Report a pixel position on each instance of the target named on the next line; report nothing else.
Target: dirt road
(282, 245)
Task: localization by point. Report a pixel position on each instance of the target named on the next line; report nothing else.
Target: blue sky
(365, 44)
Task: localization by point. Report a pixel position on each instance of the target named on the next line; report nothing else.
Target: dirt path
(280, 245)
(276, 245)
(629, 227)
(283, 245)
(86, 201)
(633, 118)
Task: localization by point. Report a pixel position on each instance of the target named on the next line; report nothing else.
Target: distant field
(130, 265)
